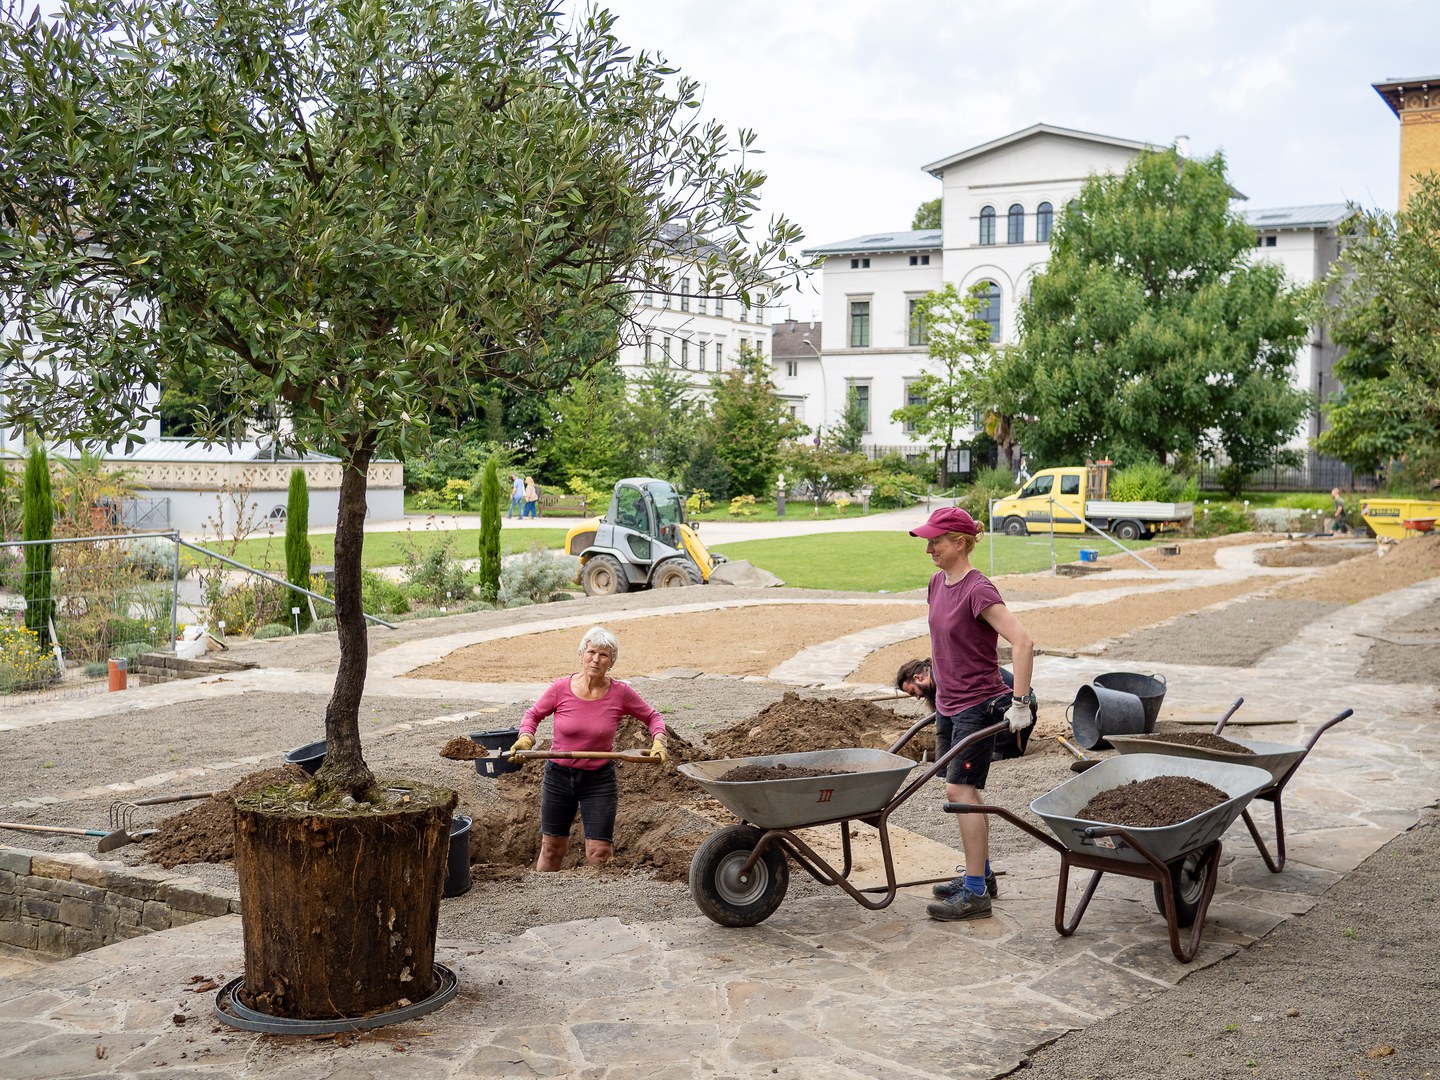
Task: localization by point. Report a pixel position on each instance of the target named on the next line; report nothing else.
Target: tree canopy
(1150, 334)
(750, 423)
(927, 215)
(1387, 413)
(370, 210)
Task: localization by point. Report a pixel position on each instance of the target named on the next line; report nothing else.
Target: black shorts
(972, 765)
(594, 792)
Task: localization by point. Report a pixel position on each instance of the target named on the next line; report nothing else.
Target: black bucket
(500, 739)
(309, 757)
(457, 868)
(1097, 712)
(1150, 689)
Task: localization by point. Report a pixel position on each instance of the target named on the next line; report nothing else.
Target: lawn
(887, 562)
(387, 548)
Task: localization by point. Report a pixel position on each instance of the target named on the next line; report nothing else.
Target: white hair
(601, 638)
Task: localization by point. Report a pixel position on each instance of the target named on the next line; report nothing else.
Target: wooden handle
(592, 755)
(20, 827)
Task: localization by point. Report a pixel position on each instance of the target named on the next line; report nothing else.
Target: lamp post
(824, 390)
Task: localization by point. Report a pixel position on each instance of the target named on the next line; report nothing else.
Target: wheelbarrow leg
(1063, 927)
(1277, 863)
(1187, 952)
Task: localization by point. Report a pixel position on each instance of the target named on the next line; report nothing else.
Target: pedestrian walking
(517, 496)
(532, 499)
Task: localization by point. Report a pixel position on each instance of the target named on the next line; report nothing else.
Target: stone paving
(823, 987)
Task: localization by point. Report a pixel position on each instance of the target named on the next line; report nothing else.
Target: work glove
(524, 742)
(657, 749)
(1018, 716)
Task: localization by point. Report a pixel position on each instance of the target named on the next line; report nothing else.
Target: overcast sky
(849, 98)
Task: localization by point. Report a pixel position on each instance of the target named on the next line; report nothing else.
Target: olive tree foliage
(950, 390)
(370, 210)
(1388, 321)
(1150, 335)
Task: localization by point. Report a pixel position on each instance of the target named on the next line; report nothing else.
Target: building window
(646, 299)
(1016, 232)
(792, 368)
(665, 300)
(719, 305)
(685, 352)
(744, 311)
(760, 312)
(862, 402)
(859, 324)
(1044, 222)
(912, 400)
(665, 348)
(1270, 241)
(684, 294)
(987, 226)
(704, 302)
(919, 334)
(704, 348)
(647, 348)
(990, 313)
(859, 264)
(919, 260)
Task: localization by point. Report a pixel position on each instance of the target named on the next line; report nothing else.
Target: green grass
(386, 548)
(894, 562)
(794, 511)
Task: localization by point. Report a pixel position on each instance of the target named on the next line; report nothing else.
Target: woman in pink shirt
(587, 707)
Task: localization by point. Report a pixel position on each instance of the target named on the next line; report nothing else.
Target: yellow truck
(1066, 499)
(1399, 518)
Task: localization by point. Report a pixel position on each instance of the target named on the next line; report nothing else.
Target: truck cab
(1052, 499)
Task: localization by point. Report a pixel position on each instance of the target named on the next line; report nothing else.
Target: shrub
(993, 483)
(889, 489)
(428, 499)
(433, 573)
(698, 502)
(96, 669)
(152, 559)
(489, 545)
(297, 542)
(24, 663)
(743, 506)
(381, 596)
(1220, 519)
(456, 492)
(1146, 482)
(134, 649)
(273, 630)
(536, 575)
(245, 607)
(519, 601)
(598, 498)
(323, 626)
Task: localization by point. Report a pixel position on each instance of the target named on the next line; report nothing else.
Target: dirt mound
(206, 833)
(1378, 570)
(1307, 554)
(1206, 740)
(795, 725)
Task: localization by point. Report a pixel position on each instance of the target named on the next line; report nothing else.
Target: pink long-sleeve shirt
(589, 725)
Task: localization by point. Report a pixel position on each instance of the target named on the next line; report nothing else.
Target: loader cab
(648, 511)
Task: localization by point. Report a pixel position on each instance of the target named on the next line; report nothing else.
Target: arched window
(987, 225)
(990, 313)
(1044, 221)
(1016, 232)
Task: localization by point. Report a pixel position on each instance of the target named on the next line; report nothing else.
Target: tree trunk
(345, 768)
(340, 911)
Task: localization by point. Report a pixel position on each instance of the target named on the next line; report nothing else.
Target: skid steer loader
(643, 542)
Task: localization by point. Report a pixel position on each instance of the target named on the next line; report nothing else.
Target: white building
(999, 206)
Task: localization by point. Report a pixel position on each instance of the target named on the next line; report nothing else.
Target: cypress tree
(38, 524)
(490, 532)
(297, 542)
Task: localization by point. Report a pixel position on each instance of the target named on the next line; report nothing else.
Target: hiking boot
(944, 890)
(963, 905)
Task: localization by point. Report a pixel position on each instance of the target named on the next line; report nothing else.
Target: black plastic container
(1150, 689)
(309, 757)
(457, 868)
(499, 739)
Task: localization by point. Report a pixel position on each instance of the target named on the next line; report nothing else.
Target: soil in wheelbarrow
(1205, 740)
(1154, 803)
(751, 773)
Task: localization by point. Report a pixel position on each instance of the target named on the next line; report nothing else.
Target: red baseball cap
(947, 519)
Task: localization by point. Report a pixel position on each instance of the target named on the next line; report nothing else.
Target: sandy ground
(1202, 1029)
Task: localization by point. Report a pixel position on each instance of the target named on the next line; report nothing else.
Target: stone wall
(60, 905)
(150, 668)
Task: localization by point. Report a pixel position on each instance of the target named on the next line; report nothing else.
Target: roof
(937, 168)
(1320, 216)
(1392, 89)
(793, 339)
(908, 240)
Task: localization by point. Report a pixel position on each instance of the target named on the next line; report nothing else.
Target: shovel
(635, 756)
(1081, 762)
(109, 841)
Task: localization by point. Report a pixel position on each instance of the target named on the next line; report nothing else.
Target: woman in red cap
(967, 616)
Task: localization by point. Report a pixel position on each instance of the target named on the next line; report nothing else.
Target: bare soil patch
(1304, 553)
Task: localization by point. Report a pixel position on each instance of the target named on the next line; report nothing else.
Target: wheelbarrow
(740, 875)
(1280, 760)
(1182, 860)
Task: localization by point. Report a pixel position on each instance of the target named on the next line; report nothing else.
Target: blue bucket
(1089, 555)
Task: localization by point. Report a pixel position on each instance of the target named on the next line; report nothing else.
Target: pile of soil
(795, 724)
(206, 833)
(1307, 554)
(1153, 803)
(750, 773)
(1206, 741)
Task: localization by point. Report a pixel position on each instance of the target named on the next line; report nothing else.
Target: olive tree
(371, 212)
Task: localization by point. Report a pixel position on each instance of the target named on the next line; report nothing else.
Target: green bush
(24, 664)
(245, 607)
(134, 649)
(989, 484)
(1146, 482)
(381, 596)
(428, 499)
(890, 488)
(152, 558)
(536, 575)
(325, 625)
(96, 669)
(519, 601)
(433, 575)
(1220, 519)
(273, 630)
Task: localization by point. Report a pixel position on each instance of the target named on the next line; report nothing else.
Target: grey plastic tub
(1061, 806)
(864, 781)
(1150, 689)
(1097, 713)
(1275, 758)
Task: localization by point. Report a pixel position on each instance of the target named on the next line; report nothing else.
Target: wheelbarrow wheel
(1187, 879)
(716, 883)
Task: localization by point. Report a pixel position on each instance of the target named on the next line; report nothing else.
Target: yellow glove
(657, 749)
(524, 742)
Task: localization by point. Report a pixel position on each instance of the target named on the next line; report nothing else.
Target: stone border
(62, 904)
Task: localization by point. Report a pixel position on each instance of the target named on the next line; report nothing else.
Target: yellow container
(1387, 517)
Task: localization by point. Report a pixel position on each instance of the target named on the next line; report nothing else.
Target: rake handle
(21, 827)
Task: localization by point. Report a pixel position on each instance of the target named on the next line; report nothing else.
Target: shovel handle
(1068, 745)
(157, 800)
(591, 755)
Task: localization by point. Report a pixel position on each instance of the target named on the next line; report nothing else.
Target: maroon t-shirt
(962, 645)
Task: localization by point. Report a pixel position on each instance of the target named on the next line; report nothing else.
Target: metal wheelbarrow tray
(740, 874)
(1280, 760)
(1181, 860)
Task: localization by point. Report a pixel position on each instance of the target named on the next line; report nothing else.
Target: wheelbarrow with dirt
(740, 875)
(1181, 860)
(1280, 760)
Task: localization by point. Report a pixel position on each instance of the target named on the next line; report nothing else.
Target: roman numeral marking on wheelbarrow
(825, 793)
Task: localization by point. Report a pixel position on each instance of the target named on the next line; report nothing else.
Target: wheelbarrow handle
(1234, 706)
(1326, 727)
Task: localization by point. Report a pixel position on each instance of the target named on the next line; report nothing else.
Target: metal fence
(1316, 473)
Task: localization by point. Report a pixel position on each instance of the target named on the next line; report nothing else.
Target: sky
(850, 98)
